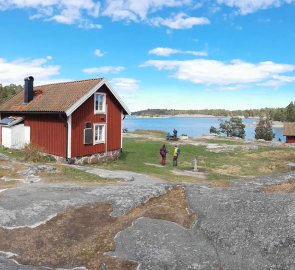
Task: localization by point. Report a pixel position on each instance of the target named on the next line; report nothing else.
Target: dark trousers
(175, 161)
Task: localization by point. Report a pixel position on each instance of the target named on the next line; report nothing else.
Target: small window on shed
(88, 125)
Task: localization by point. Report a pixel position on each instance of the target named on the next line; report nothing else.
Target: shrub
(263, 130)
(213, 130)
(34, 153)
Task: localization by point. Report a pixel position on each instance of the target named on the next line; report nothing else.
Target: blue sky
(231, 54)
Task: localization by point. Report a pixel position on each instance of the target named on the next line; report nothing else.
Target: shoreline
(275, 124)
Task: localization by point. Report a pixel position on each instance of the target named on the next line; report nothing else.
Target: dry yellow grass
(81, 236)
(229, 170)
(220, 184)
(288, 187)
(276, 154)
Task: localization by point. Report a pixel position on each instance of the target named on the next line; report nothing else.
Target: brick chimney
(28, 93)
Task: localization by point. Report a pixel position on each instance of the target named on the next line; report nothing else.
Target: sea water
(191, 126)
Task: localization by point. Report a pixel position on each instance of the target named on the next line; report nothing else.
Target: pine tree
(213, 130)
(263, 129)
(290, 112)
(233, 128)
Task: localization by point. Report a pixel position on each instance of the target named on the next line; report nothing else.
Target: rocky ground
(148, 223)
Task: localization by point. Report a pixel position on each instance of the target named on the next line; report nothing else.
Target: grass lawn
(139, 154)
(69, 174)
(63, 174)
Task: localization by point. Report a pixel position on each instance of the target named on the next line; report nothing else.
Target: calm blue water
(191, 126)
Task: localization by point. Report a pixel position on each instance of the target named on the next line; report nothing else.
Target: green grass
(70, 174)
(154, 133)
(65, 174)
(217, 166)
(138, 153)
(227, 141)
(29, 153)
(13, 153)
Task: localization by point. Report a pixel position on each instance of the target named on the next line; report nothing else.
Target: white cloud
(163, 51)
(140, 11)
(104, 69)
(250, 6)
(168, 51)
(179, 21)
(278, 81)
(99, 53)
(15, 71)
(61, 11)
(83, 12)
(135, 10)
(125, 85)
(212, 72)
(88, 25)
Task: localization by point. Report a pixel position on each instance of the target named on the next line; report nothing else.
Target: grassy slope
(63, 174)
(217, 166)
(141, 151)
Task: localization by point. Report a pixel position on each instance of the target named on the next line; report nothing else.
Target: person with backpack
(176, 153)
(163, 153)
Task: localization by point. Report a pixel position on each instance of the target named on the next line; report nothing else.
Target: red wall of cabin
(85, 113)
(290, 139)
(48, 132)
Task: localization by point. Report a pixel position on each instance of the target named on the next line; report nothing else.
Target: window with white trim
(99, 133)
(99, 103)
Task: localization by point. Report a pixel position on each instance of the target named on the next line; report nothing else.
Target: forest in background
(8, 91)
(275, 114)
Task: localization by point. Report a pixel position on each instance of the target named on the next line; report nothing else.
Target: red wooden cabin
(289, 132)
(79, 120)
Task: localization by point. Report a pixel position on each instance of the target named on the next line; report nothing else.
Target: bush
(263, 130)
(233, 128)
(213, 130)
(34, 153)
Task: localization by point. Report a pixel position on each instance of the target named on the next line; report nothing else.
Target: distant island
(276, 114)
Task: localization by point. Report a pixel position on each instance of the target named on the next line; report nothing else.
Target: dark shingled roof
(57, 97)
(289, 129)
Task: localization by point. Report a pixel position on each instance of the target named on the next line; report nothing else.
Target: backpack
(176, 152)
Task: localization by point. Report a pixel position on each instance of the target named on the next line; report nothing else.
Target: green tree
(237, 127)
(290, 112)
(280, 115)
(233, 128)
(8, 91)
(263, 129)
(225, 127)
(213, 130)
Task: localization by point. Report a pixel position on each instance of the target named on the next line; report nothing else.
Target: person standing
(163, 153)
(176, 153)
(174, 133)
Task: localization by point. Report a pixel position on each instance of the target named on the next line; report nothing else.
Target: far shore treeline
(6, 92)
(275, 114)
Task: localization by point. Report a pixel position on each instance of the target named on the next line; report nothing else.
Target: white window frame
(102, 140)
(103, 105)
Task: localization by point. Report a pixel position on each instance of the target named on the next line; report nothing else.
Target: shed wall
(290, 139)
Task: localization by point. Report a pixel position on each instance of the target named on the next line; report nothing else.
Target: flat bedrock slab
(237, 227)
